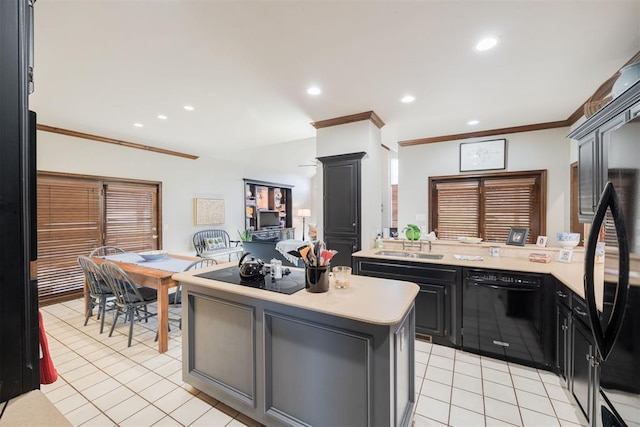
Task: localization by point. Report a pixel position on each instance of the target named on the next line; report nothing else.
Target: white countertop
(571, 274)
(367, 299)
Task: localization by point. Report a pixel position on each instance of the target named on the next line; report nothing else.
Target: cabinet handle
(580, 312)
(561, 294)
(564, 327)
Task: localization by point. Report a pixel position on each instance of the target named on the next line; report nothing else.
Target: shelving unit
(267, 196)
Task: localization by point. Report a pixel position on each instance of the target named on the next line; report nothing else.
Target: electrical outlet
(421, 217)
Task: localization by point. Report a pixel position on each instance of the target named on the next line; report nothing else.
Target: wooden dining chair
(103, 251)
(99, 292)
(130, 299)
(175, 299)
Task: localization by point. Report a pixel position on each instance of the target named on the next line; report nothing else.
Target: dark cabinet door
(563, 322)
(438, 305)
(430, 310)
(341, 201)
(345, 247)
(587, 178)
(581, 366)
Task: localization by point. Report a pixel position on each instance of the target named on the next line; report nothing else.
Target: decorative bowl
(568, 240)
(628, 76)
(153, 255)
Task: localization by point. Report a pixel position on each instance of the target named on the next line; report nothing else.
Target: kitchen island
(340, 358)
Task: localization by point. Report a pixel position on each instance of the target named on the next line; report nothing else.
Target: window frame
(541, 211)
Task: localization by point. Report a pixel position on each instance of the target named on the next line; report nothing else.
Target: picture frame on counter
(565, 255)
(517, 236)
(541, 241)
(483, 155)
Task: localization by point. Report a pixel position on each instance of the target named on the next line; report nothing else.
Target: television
(268, 219)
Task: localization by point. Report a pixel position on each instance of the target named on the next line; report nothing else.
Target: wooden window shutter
(68, 225)
(130, 216)
(458, 206)
(510, 202)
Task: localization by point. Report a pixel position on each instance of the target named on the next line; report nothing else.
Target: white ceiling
(102, 65)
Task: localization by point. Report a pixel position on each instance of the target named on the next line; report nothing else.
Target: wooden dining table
(155, 278)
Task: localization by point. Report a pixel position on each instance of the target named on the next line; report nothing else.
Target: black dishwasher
(503, 316)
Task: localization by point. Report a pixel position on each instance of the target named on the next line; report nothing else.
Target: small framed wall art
(542, 241)
(208, 211)
(517, 236)
(483, 155)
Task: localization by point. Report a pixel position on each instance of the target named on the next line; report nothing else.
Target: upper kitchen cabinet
(594, 137)
(267, 205)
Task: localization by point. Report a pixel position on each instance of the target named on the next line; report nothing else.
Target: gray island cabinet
(340, 358)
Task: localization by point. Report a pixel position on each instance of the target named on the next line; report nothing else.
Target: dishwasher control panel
(502, 278)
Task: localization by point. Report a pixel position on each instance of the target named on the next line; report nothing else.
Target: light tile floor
(102, 382)
(457, 388)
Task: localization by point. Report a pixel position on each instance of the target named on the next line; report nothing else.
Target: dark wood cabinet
(342, 204)
(593, 146)
(574, 346)
(563, 334)
(431, 318)
(438, 306)
(581, 354)
(588, 184)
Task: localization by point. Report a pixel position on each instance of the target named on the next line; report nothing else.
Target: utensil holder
(316, 279)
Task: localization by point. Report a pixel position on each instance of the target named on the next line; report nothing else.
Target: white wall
(545, 149)
(352, 138)
(182, 180)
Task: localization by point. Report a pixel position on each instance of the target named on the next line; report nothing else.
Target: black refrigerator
(612, 261)
(19, 327)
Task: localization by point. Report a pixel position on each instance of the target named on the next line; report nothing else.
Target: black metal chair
(99, 293)
(105, 251)
(130, 299)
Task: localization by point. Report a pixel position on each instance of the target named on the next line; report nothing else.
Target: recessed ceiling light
(138, 125)
(162, 117)
(189, 108)
(314, 90)
(473, 122)
(486, 43)
(408, 98)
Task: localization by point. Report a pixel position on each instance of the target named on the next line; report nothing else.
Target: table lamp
(304, 213)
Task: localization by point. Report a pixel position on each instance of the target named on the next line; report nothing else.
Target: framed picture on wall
(483, 155)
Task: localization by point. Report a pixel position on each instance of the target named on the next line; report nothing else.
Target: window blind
(458, 206)
(131, 216)
(68, 225)
(509, 203)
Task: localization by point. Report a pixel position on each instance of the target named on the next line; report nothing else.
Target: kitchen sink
(425, 256)
(402, 254)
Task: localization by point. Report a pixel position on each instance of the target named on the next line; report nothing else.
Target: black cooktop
(290, 283)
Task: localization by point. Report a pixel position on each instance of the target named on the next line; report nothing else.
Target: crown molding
(75, 134)
(367, 115)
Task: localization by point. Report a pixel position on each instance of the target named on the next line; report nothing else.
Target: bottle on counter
(378, 243)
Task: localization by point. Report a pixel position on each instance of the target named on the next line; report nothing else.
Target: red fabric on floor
(48, 373)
